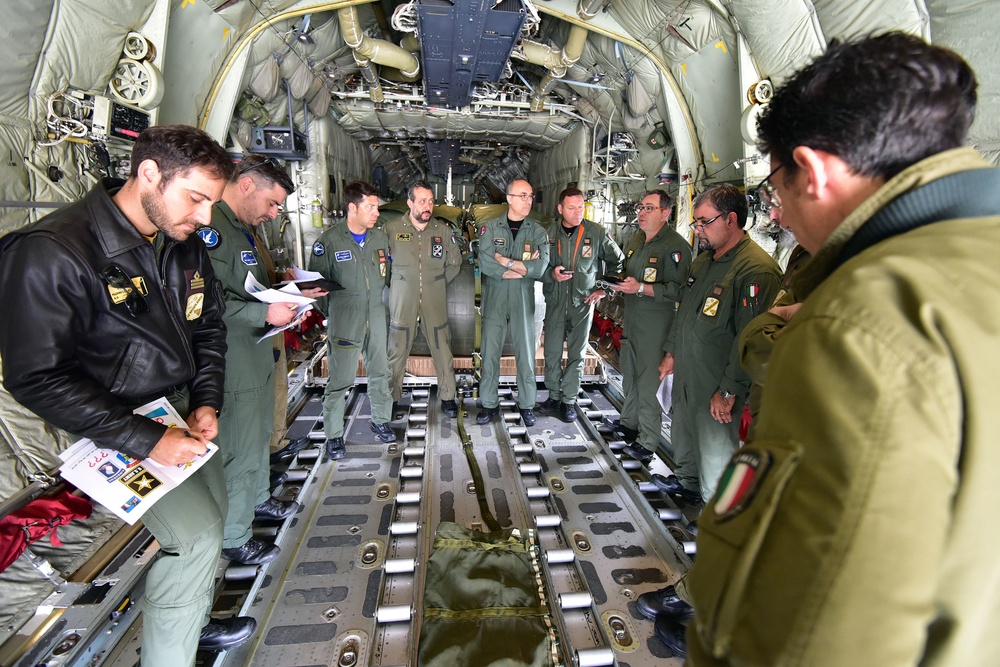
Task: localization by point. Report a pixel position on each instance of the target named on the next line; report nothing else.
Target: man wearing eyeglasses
(657, 262)
(513, 254)
(582, 249)
(732, 281)
(355, 255)
(425, 258)
(110, 303)
(253, 196)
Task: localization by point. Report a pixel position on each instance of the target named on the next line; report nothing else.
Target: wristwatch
(726, 394)
(642, 288)
(510, 264)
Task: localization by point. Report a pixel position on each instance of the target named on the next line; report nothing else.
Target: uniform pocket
(123, 369)
(730, 533)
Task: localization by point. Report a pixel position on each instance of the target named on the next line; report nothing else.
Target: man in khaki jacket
(854, 529)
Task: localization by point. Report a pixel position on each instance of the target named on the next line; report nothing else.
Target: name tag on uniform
(402, 237)
(499, 242)
(342, 256)
(248, 258)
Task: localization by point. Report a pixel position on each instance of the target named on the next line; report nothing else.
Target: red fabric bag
(37, 519)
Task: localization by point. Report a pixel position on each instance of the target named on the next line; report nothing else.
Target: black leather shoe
(664, 601)
(638, 452)
(527, 416)
(276, 479)
(383, 432)
(449, 408)
(253, 552)
(290, 450)
(672, 633)
(222, 635)
(486, 414)
(549, 406)
(673, 487)
(624, 432)
(335, 449)
(275, 509)
(567, 413)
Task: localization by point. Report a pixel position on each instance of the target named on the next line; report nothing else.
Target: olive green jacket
(858, 527)
(665, 263)
(361, 272)
(233, 253)
(511, 298)
(585, 252)
(422, 259)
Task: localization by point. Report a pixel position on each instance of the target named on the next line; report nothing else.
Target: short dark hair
(356, 191)
(178, 148)
(725, 199)
(265, 172)
(418, 184)
(570, 192)
(666, 201)
(880, 104)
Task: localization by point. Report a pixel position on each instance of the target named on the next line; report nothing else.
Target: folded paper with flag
(125, 485)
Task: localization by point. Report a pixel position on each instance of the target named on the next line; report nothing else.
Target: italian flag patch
(739, 483)
(753, 289)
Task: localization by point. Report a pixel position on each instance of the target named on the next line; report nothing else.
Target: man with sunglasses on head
(855, 527)
(732, 281)
(657, 262)
(252, 196)
(513, 254)
(109, 303)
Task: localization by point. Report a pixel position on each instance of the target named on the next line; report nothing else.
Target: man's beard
(705, 244)
(152, 206)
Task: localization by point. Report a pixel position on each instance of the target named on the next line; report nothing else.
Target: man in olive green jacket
(355, 255)
(854, 529)
(251, 197)
(731, 282)
(657, 263)
(425, 258)
(578, 250)
(510, 261)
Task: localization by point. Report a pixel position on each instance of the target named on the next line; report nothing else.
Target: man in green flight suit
(731, 283)
(425, 258)
(356, 256)
(513, 254)
(582, 249)
(657, 262)
(854, 528)
(252, 196)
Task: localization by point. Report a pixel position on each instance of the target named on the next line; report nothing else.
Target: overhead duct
(587, 9)
(557, 61)
(368, 50)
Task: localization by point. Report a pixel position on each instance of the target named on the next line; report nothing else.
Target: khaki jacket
(858, 527)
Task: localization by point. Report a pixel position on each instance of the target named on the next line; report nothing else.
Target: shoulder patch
(209, 236)
(319, 249)
(740, 482)
(482, 230)
(676, 257)
(247, 257)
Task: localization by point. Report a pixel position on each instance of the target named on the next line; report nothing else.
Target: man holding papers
(108, 304)
(252, 196)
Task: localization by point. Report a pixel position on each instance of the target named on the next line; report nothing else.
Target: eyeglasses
(526, 196)
(700, 224)
(767, 192)
(244, 168)
(119, 280)
(647, 209)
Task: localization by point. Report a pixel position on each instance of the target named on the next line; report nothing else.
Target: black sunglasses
(267, 162)
(116, 277)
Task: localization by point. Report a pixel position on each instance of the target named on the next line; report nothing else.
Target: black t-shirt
(514, 226)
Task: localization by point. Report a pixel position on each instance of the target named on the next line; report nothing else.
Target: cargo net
(485, 602)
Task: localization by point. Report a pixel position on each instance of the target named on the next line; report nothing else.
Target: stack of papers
(288, 294)
(127, 486)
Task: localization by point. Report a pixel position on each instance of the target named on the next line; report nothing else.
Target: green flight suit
(356, 320)
(510, 302)
(663, 262)
(247, 416)
(719, 300)
(588, 251)
(423, 263)
(863, 536)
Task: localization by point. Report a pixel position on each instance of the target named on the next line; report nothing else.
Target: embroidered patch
(740, 482)
(209, 236)
(587, 251)
(319, 249)
(482, 230)
(649, 275)
(711, 306)
(343, 256)
(526, 255)
(195, 303)
(247, 257)
(676, 257)
(499, 242)
(403, 237)
(629, 254)
(437, 249)
(652, 260)
(690, 281)
(718, 289)
(586, 241)
(454, 241)
(197, 282)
